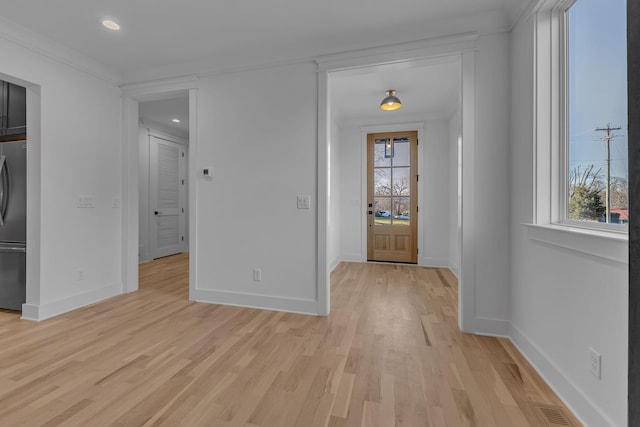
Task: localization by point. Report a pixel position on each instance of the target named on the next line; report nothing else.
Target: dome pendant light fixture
(391, 102)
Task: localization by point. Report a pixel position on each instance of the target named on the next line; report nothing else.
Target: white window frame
(564, 155)
(550, 217)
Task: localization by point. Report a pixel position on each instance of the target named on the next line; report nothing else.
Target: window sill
(601, 244)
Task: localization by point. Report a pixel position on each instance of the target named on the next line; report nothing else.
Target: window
(579, 75)
(593, 136)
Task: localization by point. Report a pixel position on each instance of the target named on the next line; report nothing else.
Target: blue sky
(598, 83)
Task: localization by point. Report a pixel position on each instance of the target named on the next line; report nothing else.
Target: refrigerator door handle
(4, 189)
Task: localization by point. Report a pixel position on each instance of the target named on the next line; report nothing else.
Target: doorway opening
(163, 147)
(426, 67)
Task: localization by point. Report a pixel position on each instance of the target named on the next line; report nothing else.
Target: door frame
(364, 131)
(463, 47)
(131, 96)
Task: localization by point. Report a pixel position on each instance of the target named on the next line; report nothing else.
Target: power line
(607, 138)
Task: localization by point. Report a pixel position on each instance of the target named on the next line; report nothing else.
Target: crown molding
(44, 46)
(153, 90)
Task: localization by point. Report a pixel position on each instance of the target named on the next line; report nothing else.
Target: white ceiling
(427, 88)
(164, 32)
(160, 113)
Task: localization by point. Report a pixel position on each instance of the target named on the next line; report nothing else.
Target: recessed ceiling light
(110, 24)
(175, 120)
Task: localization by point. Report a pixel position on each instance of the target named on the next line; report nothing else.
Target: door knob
(156, 213)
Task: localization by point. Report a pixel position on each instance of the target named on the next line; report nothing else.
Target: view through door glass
(392, 190)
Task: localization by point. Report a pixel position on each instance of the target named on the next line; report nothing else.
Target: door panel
(167, 192)
(393, 196)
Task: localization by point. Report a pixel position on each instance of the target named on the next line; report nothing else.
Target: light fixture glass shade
(391, 102)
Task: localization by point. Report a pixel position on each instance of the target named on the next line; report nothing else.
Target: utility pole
(607, 138)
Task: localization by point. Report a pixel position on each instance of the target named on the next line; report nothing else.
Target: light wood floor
(390, 354)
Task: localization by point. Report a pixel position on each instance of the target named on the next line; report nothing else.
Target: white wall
(80, 131)
(434, 208)
(351, 187)
(562, 302)
(492, 183)
(334, 199)
(264, 154)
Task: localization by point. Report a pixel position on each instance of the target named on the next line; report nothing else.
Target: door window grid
(392, 184)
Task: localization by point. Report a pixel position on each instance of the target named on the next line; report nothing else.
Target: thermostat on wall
(207, 172)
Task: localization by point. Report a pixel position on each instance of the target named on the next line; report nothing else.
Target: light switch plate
(304, 202)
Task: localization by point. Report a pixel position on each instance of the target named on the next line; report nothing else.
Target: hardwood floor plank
(390, 354)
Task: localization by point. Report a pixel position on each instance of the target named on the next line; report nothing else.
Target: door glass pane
(400, 211)
(401, 183)
(382, 181)
(382, 210)
(401, 152)
(382, 152)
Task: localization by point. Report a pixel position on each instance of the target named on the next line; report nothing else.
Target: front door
(167, 197)
(392, 210)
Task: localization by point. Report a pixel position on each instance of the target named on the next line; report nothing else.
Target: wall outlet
(595, 363)
(257, 275)
(80, 274)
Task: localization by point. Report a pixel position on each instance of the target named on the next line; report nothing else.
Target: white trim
(159, 89)
(600, 244)
(323, 281)
(34, 196)
(586, 410)
(192, 199)
(404, 52)
(353, 258)
(433, 262)
(491, 327)
(38, 312)
(455, 269)
(261, 302)
(46, 47)
(467, 285)
(130, 195)
(333, 264)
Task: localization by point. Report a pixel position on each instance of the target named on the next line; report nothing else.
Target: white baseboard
(582, 407)
(490, 327)
(333, 264)
(352, 258)
(262, 302)
(433, 262)
(455, 270)
(38, 312)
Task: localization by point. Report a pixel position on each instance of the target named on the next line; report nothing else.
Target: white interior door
(167, 192)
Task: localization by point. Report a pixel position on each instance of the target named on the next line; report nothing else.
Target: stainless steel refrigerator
(13, 224)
